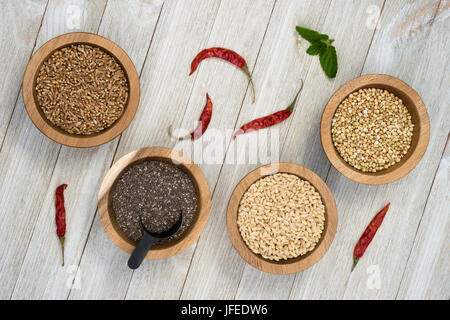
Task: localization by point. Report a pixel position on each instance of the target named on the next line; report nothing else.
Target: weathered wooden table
(409, 257)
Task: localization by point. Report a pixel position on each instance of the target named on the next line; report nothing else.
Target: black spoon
(147, 240)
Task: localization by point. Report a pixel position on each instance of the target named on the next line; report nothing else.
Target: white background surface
(409, 257)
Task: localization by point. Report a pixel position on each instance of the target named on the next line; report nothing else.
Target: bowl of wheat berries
(81, 89)
(375, 129)
(281, 218)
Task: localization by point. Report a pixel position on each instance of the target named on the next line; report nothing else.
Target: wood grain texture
(291, 265)
(57, 134)
(27, 161)
(226, 86)
(82, 170)
(302, 142)
(160, 79)
(280, 58)
(419, 117)
(418, 45)
(107, 216)
(19, 25)
(411, 43)
(427, 274)
(390, 249)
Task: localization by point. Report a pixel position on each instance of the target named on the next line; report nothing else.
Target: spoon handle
(140, 251)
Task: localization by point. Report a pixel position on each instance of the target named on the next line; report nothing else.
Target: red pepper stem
(355, 261)
(245, 68)
(61, 239)
(186, 137)
(292, 105)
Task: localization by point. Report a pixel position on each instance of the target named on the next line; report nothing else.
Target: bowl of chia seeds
(155, 185)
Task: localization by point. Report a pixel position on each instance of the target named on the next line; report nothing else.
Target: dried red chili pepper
(225, 54)
(204, 120)
(368, 235)
(60, 216)
(270, 120)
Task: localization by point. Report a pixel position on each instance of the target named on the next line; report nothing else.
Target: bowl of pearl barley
(375, 129)
(282, 218)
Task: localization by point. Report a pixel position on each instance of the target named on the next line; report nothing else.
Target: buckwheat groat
(372, 129)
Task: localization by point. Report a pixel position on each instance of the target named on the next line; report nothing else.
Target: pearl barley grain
(281, 217)
(372, 129)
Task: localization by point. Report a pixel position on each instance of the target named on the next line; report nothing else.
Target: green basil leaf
(311, 35)
(316, 48)
(328, 61)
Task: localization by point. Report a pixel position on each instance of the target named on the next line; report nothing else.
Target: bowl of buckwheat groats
(375, 129)
(281, 218)
(81, 89)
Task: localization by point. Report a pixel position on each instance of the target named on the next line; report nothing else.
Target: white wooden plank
(277, 60)
(92, 163)
(28, 158)
(41, 274)
(411, 249)
(427, 275)
(163, 88)
(215, 263)
(419, 44)
(346, 23)
(226, 85)
(19, 25)
(416, 57)
(160, 279)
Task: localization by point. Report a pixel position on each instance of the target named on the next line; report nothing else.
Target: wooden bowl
(107, 216)
(57, 134)
(291, 265)
(419, 117)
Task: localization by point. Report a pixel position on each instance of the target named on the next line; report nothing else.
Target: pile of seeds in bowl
(281, 217)
(158, 191)
(372, 129)
(82, 89)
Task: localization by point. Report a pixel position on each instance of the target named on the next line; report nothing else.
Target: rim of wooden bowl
(170, 248)
(57, 134)
(421, 133)
(291, 265)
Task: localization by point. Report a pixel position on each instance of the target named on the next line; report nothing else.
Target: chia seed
(157, 191)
